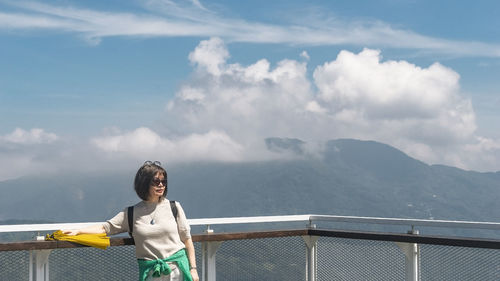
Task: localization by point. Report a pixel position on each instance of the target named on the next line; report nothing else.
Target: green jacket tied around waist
(160, 267)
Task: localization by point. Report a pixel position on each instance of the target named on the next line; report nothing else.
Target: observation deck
(298, 247)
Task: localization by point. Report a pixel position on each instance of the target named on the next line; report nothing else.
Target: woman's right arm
(117, 224)
(93, 229)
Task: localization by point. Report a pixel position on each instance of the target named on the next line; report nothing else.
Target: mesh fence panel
(14, 265)
(115, 263)
(459, 263)
(261, 259)
(349, 259)
(275, 259)
(197, 251)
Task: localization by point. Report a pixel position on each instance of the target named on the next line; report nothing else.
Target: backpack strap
(173, 206)
(130, 216)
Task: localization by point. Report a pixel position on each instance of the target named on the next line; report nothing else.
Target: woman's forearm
(190, 252)
(93, 229)
(192, 258)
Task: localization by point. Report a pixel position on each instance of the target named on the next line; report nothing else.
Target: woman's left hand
(70, 231)
(194, 274)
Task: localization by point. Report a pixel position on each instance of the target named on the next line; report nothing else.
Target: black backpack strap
(173, 206)
(130, 217)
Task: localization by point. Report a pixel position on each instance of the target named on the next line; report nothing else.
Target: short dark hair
(145, 175)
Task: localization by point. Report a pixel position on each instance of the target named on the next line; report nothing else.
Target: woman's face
(156, 187)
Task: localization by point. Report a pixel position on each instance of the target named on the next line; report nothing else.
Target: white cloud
(241, 101)
(142, 140)
(314, 106)
(189, 93)
(22, 21)
(419, 103)
(417, 109)
(37, 152)
(24, 152)
(210, 55)
(143, 143)
(33, 136)
(171, 18)
(305, 55)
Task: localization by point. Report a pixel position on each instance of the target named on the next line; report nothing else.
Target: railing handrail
(410, 222)
(285, 218)
(227, 236)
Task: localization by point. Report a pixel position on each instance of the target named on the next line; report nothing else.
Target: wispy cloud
(192, 18)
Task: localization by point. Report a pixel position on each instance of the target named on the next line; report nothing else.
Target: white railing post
(412, 258)
(208, 258)
(39, 260)
(311, 257)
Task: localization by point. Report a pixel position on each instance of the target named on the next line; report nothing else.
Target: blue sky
(198, 80)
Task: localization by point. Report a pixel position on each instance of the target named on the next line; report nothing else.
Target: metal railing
(308, 253)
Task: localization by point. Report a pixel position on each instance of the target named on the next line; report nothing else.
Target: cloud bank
(33, 136)
(191, 18)
(144, 143)
(224, 111)
(419, 110)
(25, 152)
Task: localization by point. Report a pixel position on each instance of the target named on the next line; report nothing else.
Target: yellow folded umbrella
(100, 240)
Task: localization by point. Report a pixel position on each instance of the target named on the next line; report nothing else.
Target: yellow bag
(100, 240)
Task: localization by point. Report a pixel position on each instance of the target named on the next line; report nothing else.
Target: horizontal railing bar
(244, 220)
(409, 238)
(192, 222)
(363, 235)
(120, 241)
(44, 227)
(414, 222)
(249, 235)
(268, 219)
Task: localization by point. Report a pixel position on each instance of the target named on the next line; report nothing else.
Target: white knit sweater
(153, 241)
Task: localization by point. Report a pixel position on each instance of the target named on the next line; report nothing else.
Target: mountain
(360, 178)
(350, 177)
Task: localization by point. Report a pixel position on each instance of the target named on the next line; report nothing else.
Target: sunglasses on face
(157, 182)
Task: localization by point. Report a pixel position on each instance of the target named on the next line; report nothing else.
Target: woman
(163, 247)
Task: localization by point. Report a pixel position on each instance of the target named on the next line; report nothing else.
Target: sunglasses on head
(157, 181)
(148, 163)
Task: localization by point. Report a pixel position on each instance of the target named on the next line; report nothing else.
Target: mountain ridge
(352, 177)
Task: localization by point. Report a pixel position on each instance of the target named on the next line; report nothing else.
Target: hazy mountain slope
(70, 197)
(352, 177)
